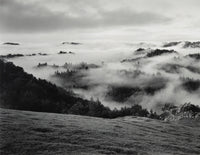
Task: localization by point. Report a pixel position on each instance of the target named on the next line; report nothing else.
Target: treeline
(189, 44)
(190, 84)
(122, 93)
(11, 56)
(22, 91)
(170, 44)
(195, 56)
(95, 108)
(158, 52)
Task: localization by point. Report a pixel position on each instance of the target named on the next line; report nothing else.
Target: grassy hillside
(24, 132)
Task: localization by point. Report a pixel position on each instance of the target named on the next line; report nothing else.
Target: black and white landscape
(99, 77)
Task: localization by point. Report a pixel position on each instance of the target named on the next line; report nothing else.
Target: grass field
(24, 133)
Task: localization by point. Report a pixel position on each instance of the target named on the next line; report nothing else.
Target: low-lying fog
(115, 73)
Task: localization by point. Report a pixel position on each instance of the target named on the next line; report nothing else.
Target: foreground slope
(25, 132)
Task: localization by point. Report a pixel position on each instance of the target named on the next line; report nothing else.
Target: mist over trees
(22, 91)
(158, 52)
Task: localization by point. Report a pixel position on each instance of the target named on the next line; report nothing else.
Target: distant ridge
(10, 43)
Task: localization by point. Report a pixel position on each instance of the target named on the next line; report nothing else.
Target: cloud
(129, 17)
(35, 16)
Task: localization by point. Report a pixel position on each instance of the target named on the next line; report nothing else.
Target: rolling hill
(24, 132)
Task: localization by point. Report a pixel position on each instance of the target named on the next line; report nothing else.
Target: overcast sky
(137, 20)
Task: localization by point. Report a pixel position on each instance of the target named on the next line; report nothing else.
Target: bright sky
(77, 20)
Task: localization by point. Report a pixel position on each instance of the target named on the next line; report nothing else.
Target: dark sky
(128, 19)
